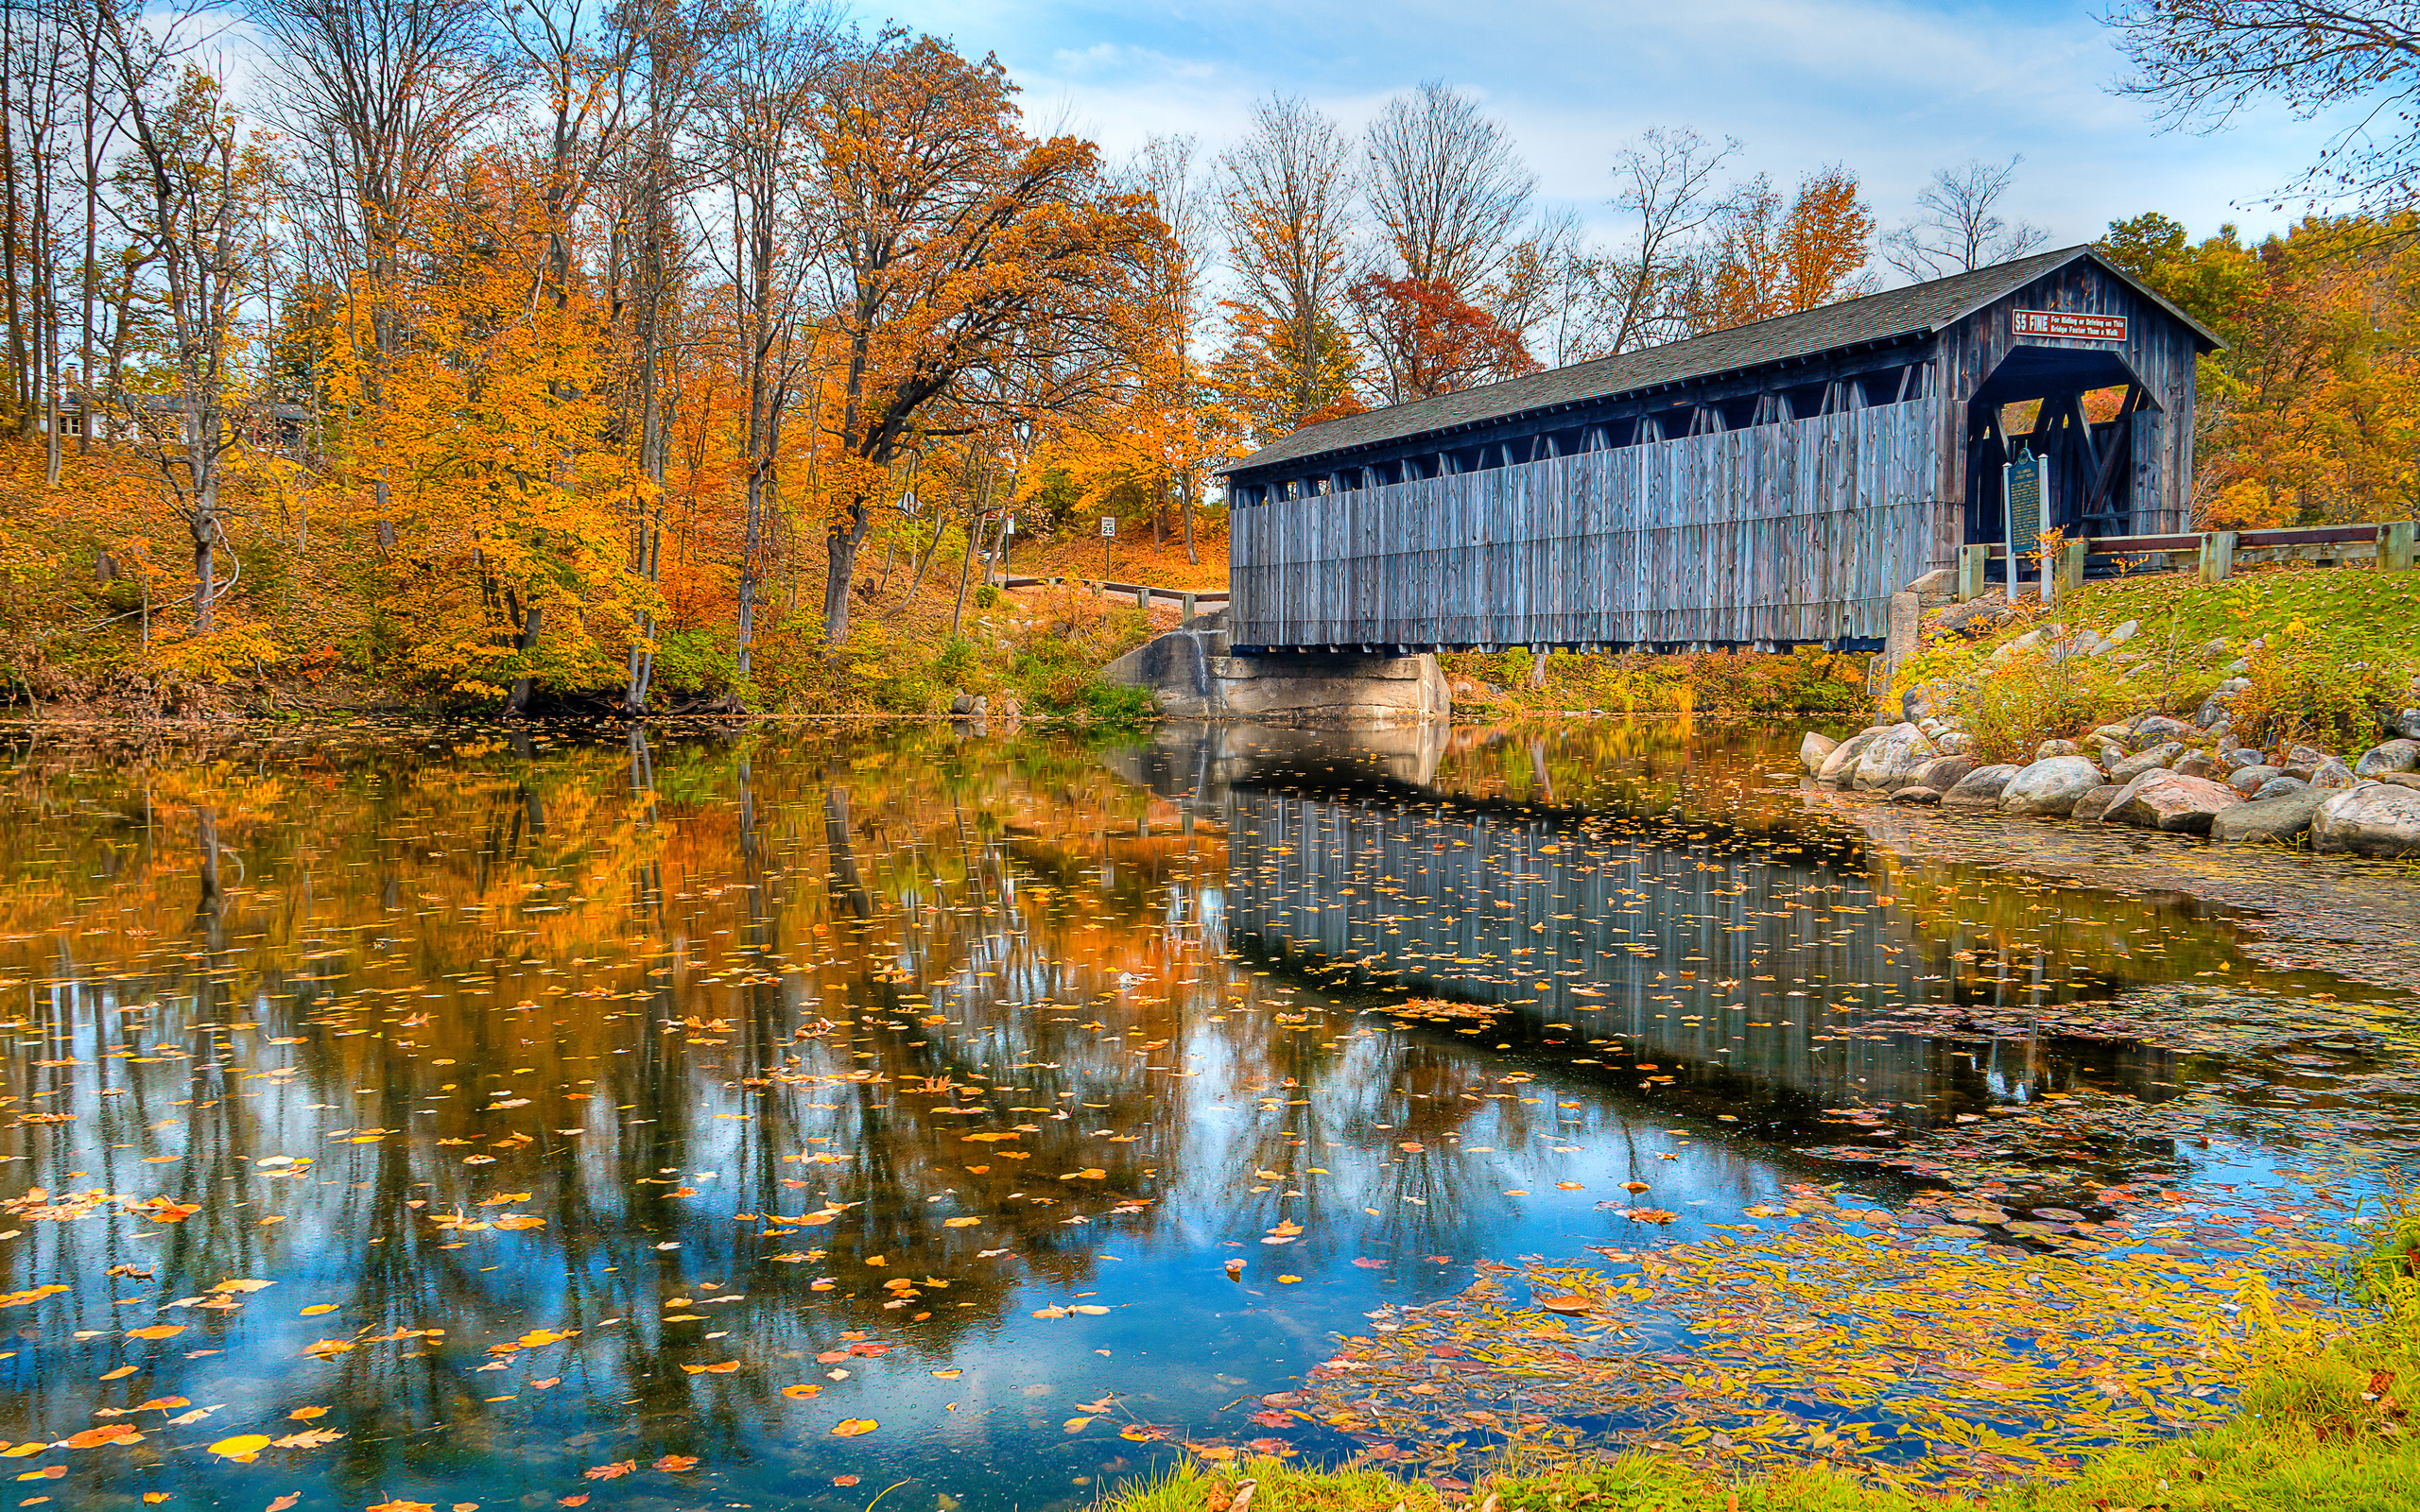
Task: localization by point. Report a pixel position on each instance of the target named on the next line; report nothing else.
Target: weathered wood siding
(2157, 346)
(1798, 531)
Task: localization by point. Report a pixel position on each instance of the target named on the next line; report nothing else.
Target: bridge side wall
(1792, 532)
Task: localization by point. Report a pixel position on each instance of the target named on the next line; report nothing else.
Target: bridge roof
(1919, 309)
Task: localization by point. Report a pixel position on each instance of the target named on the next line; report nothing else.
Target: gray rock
(2096, 803)
(1939, 580)
(961, 704)
(2406, 724)
(2152, 729)
(2279, 787)
(2056, 747)
(2051, 787)
(2251, 780)
(2274, 820)
(1891, 760)
(2112, 752)
(2241, 757)
(2202, 763)
(2141, 762)
(1955, 743)
(2125, 632)
(2110, 734)
(2167, 800)
(1980, 788)
(1917, 794)
(1942, 773)
(1812, 749)
(1841, 765)
(1972, 618)
(2333, 776)
(1932, 727)
(2395, 756)
(2374, 819)
(2214, 711)
(2305, 757)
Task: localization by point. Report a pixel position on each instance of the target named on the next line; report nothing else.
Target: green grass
(2318, 1427)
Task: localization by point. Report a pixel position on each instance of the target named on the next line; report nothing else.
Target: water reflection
(585, 1100)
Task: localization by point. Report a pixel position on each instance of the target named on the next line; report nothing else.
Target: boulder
(2056, 747)
(2152, 729)
(2279, 787)
(2202, 763)
(2395, 756)
(2410, 780)
(2304, 760)
(2094, 804)
(1979, 788)
(2125, 632)
(2110, 734)
(1841, 765)
(2406, 724)
(2274, 820)
(1955, 743)
(1917, 794)
(1813, 749)
(1972, 618)
(2051, 787)
(2374, 819)
(2250, 779)
(2239, 757)
(2165, 801)
(1891, 760)
(2141, 762)
(2333, 775)
(1942, 773)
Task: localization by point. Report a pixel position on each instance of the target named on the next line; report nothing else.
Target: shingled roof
(1919, 309)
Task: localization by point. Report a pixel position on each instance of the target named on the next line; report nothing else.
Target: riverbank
(2319, 1425)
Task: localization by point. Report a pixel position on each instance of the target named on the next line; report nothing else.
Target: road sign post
(1108, 534)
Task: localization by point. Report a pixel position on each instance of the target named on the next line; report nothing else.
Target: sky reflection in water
(585, 1102)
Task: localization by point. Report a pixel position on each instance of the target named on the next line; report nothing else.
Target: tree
(971, 274)
(1962, 227)
(1447, 187)
(2206, 60)
(1765, 262)
(1431, 341)
(1640, 292)
(1287, 199)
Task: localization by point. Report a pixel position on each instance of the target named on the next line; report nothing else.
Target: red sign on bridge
(2071, 323)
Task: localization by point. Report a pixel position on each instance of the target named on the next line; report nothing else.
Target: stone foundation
(1191, 674)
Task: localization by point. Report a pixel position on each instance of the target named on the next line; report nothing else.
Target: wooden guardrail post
(1186, 607)
(2070, 567)
(1971, 562)
(2218, 555)
(2396, 546)
(1143, 596)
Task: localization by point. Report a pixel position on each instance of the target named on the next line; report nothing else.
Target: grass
(2336, 648)
(2318, 1427)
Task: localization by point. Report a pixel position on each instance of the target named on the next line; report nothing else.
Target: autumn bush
(1805, 681)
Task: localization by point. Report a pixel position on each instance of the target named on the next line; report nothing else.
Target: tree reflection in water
(753, 1022)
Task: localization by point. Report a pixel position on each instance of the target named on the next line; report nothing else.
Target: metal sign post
(1108, 534)
(2024, 485)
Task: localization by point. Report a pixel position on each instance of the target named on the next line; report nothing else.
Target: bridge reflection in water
(1766, 963)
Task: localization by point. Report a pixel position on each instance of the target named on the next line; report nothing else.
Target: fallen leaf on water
(1077, 1425)
(606, 1472)
(1570, 1186)
(50, 1472)
(844, 1479)
(852, 1427)
(318, 1308)
(581, 1500)
(243, 1447)
(120, 1373)
(106, 1433)
(280, 1504)
(157, 1331)
(960, 1223)
(1566, 1304)
(306, 1414)
(720, 1368)
(309, 1438)
(802, 1391)
(155, 1498)
(948, 1375)
(675, 1464)
(162, 1404)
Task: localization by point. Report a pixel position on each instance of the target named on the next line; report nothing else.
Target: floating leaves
(853, 1427)
(242, 1449)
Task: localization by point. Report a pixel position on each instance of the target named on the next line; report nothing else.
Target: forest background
(651, 356)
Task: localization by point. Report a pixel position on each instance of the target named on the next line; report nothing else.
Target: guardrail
(2214, 555)
(1188, 601)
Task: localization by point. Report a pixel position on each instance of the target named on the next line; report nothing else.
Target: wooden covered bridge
(1767, 486)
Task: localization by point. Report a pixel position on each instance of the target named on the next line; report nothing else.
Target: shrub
(987, 597)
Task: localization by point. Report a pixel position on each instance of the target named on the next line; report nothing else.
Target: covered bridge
(1767, 486)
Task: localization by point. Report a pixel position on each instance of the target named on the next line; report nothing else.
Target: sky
(1891, 91)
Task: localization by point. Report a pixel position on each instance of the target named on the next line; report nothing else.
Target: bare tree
(1447, 186)
(1960, 227)
(1666, 185)
(1288, 201)
(2204, 61)
(1175, 279)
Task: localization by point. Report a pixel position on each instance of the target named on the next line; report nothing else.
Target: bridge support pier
(1191, 674)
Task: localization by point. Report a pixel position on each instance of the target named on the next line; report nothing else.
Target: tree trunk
(519, 702)
(840, 547)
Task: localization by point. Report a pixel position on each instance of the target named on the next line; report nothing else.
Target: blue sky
(1893, 89)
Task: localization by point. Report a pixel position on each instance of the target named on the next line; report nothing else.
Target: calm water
(516, 1106)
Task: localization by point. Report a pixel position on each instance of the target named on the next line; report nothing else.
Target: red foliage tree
(1428, 340)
